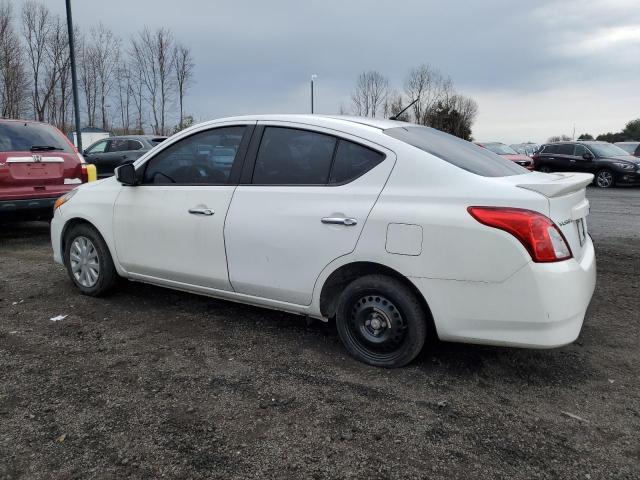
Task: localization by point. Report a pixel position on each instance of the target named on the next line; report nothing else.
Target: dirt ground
(150, 383)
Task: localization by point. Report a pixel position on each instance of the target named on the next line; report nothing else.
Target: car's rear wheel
(544, 169)
(88, 260)
(604, 178)
(381, 321)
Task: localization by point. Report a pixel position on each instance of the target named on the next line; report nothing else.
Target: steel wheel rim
(84, 261)
(605, 179)
(377, 328)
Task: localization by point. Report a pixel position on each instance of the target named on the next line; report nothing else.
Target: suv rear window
(456, 151)
(26, 136)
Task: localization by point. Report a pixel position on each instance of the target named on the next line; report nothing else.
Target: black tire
(545, 169)
(604, 178)
(386, 301)
(106, 276)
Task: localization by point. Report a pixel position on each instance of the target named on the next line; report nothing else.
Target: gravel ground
(152, 383)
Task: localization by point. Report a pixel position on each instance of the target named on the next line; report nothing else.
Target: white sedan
(397, 231)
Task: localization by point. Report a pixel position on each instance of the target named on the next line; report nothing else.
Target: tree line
(124, 86)
(437, 104)
(630, 132)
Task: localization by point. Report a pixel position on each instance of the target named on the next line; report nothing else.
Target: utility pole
(313, 78)
(74, 77)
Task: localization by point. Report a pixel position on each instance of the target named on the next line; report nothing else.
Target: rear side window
(289, 156)
(203, 158)
(352, 161)
(26, 136)
(549, 149)
(99, 147)
(565, 149)
(456, 151)
(124, 145)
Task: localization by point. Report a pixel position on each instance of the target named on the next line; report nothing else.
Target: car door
(96, 154)
(171, 226)
(564, 160)
(580, 163)
(119, 151)
(303, 201)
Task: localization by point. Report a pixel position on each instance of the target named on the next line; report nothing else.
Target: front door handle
(201, 211)
(349, 222)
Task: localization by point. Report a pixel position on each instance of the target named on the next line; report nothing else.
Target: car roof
(142, 137)
(317, 119)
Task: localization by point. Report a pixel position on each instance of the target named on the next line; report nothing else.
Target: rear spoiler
(560, 184)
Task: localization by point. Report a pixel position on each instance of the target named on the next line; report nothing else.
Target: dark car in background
(632, 148)
(109, 153)
(38, 164)
(609, 163)
(509, 153)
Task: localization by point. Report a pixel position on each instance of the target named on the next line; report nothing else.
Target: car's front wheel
(88, 260)
(604, 178)
(381, 321)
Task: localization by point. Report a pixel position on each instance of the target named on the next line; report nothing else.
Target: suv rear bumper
(30, 209)
(541, 306)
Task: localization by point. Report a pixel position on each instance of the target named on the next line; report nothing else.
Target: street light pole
(313, 78)
(74, 77)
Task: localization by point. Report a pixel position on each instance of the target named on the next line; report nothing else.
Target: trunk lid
(568, 204)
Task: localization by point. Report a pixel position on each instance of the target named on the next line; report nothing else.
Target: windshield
(456, 151)
(26, 137)
(630, 148)
(500, 148)
(607, 150)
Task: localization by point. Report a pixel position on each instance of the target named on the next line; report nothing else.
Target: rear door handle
(349, 222)
(201, 211)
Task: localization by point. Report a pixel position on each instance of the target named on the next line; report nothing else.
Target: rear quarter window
(458, 152)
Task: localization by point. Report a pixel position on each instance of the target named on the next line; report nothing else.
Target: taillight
(84, 175)
(537, 233)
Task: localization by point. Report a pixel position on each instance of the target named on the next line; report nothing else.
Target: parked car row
(611, 164)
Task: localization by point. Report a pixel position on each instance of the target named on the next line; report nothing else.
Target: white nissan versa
(387, 226)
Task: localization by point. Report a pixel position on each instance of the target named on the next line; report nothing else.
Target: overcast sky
(535, 68)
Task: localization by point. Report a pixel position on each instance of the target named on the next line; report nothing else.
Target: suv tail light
(538, 234)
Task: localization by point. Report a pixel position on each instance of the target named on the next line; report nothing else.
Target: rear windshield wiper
(41, 148)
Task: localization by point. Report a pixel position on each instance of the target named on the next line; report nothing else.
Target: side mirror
(588, 156)
(126, 174)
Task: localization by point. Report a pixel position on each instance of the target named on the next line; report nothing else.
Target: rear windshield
(25, 137)
(500, 148)
(456, 151)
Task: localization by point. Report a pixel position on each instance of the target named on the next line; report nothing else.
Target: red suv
(38, 164)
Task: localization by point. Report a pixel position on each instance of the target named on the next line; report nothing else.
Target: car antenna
(395, 117)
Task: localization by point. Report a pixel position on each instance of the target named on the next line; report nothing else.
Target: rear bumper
(30, 209)
(540, 306)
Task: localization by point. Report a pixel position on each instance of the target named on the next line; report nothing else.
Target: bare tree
(152, 52)
(58, 75)
(183, 68)
(428, 86)
(105, 49)
(124, 95)
(35, 24)
(13, 80)
(394, 105)
(88, 78)
(370, 93)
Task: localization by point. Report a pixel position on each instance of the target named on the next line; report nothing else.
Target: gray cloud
(257, 56)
